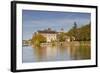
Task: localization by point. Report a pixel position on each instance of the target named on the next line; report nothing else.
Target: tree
(37, 39)
(73, 32)
(81, 34)
(75, 25)
(61, 37)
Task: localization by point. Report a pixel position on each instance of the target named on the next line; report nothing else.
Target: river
(55, 53)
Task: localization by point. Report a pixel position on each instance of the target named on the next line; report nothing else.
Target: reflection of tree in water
(45, 53)
(85, 52)
(62, 52)
(80, 52)
(40, 52)
(62, 48)
(76, 52)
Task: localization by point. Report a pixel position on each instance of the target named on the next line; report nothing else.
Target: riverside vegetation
(81, 34)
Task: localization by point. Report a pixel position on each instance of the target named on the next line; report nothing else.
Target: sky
(33, 21)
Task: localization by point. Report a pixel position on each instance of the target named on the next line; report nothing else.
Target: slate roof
(47, 31)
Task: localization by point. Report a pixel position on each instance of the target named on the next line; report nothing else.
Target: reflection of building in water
(49, 34)
(45, 53)
(57, 53)
(51, 51)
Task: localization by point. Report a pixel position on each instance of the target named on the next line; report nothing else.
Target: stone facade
(49, 34)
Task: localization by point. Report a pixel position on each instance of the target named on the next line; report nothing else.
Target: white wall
(5, 36)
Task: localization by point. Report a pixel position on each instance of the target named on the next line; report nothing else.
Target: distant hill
(81, 34)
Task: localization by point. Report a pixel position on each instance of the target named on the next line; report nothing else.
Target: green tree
(61, 37)
(75, 25)
(73, 32)
(81, 34)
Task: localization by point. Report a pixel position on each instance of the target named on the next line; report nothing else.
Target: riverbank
(73, 43)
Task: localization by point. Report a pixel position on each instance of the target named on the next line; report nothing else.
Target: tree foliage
(37, 39)
(81, 34)
(61, 37)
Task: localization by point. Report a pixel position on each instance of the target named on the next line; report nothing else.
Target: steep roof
(47, 31)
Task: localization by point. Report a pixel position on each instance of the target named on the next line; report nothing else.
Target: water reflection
(56, 53)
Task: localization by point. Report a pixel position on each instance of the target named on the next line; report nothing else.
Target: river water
(55, 53)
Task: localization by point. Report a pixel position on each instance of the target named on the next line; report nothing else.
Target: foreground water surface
(55, 53)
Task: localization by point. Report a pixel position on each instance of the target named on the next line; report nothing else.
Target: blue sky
(33, 20)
